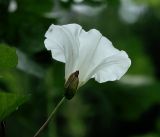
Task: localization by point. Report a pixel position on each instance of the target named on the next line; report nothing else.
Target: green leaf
(9, 102)
(8, 57)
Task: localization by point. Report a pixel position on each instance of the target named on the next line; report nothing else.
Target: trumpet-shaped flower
(86, 54)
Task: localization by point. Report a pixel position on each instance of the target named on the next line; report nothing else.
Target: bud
(71, 85)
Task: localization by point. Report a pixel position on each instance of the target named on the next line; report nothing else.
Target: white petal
(57, 52)
(88, 46)
(63, 43)
(94, 48)
(112, 68)
(88, 52)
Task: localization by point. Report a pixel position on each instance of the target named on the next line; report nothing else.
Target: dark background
(128, 108)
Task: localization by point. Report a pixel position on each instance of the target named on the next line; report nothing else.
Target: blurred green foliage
(9, 103)
(8, 57)
(127, 108)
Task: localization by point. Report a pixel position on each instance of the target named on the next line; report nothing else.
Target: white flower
(90, 53)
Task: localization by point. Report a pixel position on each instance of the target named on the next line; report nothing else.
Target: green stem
(49, 118)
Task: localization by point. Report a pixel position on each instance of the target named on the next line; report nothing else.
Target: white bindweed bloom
(89, 53)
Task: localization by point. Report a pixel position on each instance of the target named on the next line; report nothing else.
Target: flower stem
(50, 116)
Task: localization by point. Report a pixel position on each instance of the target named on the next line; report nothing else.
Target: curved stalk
(50, 116)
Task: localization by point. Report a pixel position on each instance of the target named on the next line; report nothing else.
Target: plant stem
(50, 116)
